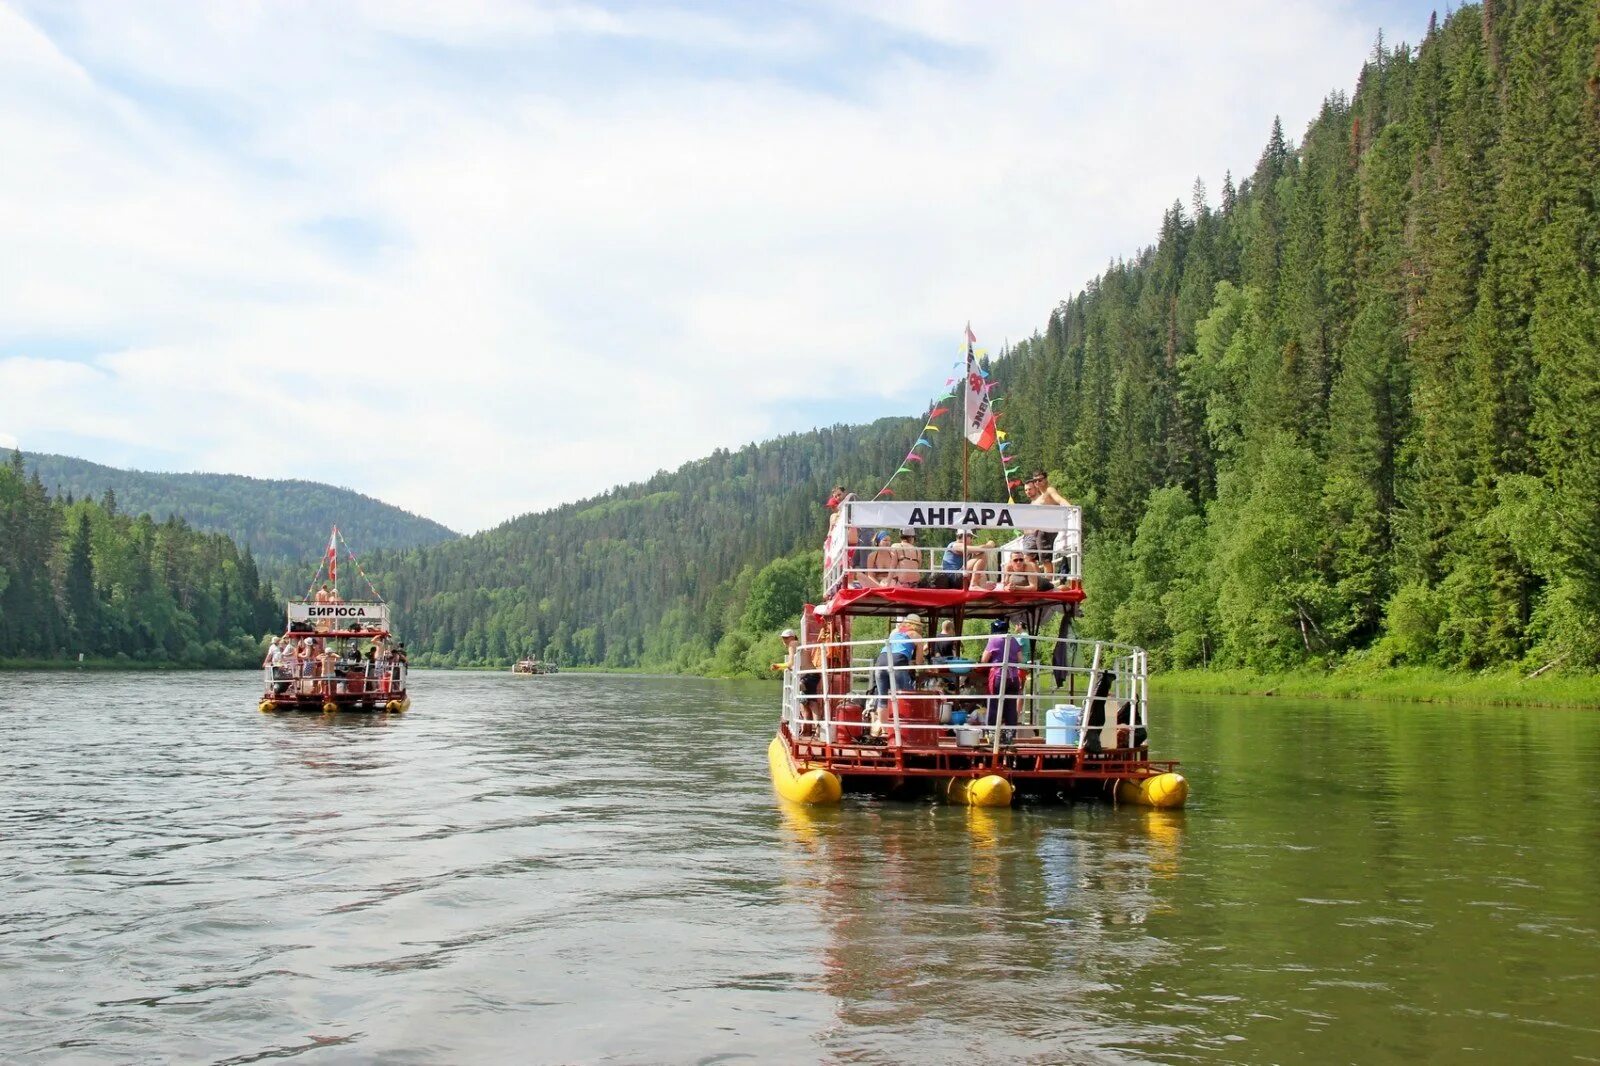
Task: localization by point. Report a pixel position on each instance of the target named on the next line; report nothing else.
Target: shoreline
(1509, 688)
(106, 666)
(1407, 684)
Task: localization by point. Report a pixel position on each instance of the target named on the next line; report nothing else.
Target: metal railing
(1055, 693)
(381, 679)
(923, 566)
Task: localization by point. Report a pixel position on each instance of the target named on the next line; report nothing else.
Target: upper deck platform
(935, 568)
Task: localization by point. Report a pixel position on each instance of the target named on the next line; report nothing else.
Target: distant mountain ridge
(278, 520)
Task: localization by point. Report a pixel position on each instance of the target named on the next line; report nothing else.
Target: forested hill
(277, 520)
(656, 573)
(1347, 407)
(88, 578)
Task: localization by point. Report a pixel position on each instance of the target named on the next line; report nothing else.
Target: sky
(479, 258)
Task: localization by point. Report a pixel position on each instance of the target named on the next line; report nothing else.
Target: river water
(595, 869)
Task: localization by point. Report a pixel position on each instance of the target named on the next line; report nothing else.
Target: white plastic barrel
(1061, 724)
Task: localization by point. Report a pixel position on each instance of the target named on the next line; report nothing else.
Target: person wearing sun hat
(959, 556)
(899, 651)
(802, 667)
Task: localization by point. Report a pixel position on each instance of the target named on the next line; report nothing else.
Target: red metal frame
(1028, 759)
(975, 603)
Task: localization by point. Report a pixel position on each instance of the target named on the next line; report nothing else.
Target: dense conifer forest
(84, 576)
(1344, 410)
(1346, 406)
(278, 521)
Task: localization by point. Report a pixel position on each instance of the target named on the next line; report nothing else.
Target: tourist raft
(969, 697)
(335, 654)
(1047, 717)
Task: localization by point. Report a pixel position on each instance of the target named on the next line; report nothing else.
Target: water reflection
(331, 743)
(938, 919)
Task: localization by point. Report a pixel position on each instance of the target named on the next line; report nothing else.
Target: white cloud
(569, 221)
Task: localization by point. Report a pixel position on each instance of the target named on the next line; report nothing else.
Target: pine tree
(83, 604)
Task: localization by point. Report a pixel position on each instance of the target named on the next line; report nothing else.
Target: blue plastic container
(1061, 724)
(958, 717)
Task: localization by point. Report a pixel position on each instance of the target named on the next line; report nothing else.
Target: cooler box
(846, 724)
(1061, 724)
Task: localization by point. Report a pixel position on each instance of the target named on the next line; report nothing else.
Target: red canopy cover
(886, 599)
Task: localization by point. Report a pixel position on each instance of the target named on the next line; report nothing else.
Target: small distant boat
(336, 654)
(533, 666)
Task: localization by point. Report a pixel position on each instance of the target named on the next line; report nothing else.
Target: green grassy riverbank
(1403, 684)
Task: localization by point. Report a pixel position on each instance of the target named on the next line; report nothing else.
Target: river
(595, 869)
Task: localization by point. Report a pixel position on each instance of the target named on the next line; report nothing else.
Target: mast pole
(966, 414)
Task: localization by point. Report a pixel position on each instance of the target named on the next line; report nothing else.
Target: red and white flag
(333, 556)
(979, 414)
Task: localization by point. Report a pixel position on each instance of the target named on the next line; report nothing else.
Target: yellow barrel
(329, 707)
(1162, 790)
(397, 706)
(266, 707)
(810, 786)
(989, 791)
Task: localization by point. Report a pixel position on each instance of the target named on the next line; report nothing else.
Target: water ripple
(594, 869)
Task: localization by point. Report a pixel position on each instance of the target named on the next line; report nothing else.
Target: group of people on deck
(310, 665)
(998, 675)
(898, 563)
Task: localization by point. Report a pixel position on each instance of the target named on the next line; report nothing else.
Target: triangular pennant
(914, 457)
(923, 442)
(937, 411)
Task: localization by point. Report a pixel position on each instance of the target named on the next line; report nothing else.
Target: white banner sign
(951, 515)
(342, 615)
